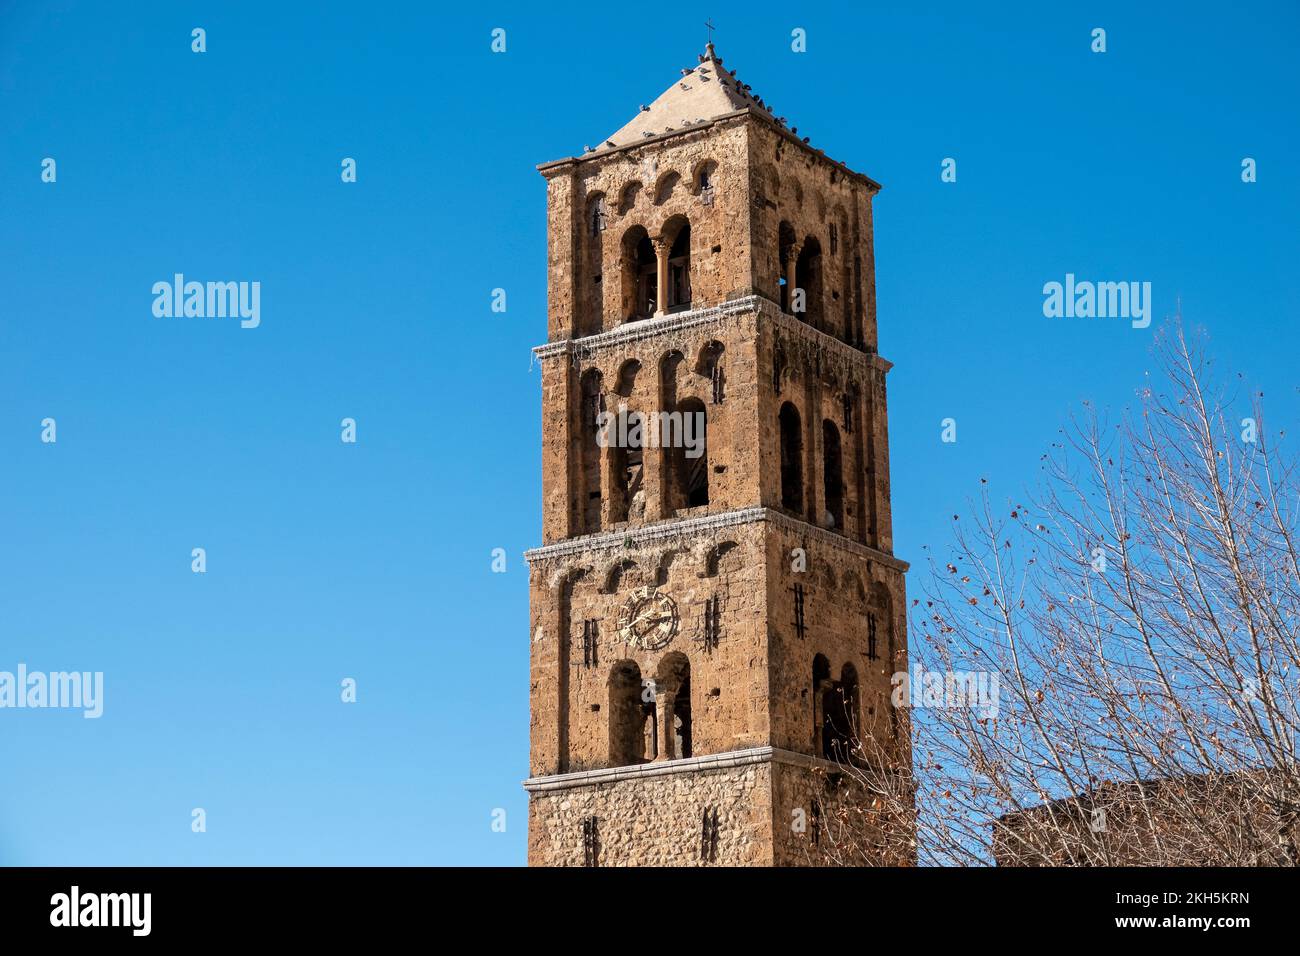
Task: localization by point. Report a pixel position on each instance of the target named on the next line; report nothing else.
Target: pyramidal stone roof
(700, 95)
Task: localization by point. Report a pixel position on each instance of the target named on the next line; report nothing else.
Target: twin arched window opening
(617, 469)
(801, 278)
(790, 427)
(650, 719)
(835, 711)
(802, 282)
(644, 288)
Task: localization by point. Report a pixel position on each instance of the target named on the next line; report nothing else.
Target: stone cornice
(649, 328)
(551, 168)
(801, 329)
(677, 527)
(723, 761)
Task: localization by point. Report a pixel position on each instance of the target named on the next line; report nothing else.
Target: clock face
(648, 620)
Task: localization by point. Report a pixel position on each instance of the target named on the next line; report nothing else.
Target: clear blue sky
(372, 560)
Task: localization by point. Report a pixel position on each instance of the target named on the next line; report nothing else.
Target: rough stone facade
(745, 600)
(657, 820)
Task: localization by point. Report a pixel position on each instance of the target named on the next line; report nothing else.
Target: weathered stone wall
(810, 194)
(841, 588)
(756, 686)
(822, 816)
(773, 808)
(657, 820)
(767, 190)
(656, 370)
(571, 699)
(652, 188)
(825, 381)
(665, 364)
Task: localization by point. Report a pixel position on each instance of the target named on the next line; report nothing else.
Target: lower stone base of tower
(756, 807)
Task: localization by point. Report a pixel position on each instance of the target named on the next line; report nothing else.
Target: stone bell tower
(716, 610)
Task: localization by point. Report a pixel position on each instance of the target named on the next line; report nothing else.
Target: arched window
(593, 403)
(785, 252)
(821, 681)
(664, 190)
(624, 573)
(716, 559)
(847, 712)
(599, 215)
(627, 374)
(690, 453)
(588, 305)
(808, 277)
(838, 709)
(704, 182)
(710, 366)
(631, 720)
(625, 441)
(832, 477)
(669, 365)
(630, 193)
(673, 686)
(640, 274)
(791, 459)
(679, 271)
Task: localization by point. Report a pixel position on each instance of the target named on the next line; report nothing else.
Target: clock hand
(639, 618)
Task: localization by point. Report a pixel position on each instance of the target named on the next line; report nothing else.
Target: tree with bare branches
(1107, 675)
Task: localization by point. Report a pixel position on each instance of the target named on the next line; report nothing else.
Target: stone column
(650, 735)
(652, 469)
(608, 459)
(662, 248)
(665, 695)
